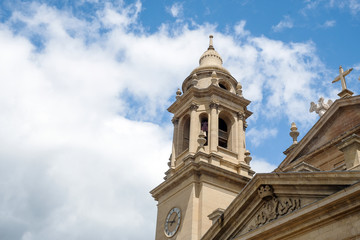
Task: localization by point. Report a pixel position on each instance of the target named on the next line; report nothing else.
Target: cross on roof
(341, 77)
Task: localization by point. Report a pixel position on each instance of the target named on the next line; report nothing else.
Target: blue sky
(84, 88)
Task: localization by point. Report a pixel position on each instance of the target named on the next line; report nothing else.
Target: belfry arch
(204, 125)
(226, 122)
(208, 117)
(184, 134)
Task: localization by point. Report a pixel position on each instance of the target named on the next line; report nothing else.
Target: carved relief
(273, 207)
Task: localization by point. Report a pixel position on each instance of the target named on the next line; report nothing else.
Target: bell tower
(209, 164)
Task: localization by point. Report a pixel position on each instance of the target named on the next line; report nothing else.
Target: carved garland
(273, 207)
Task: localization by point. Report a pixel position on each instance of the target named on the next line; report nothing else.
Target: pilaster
(194, 128)
(214, 126)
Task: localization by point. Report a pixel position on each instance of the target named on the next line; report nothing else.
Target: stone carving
(247, 157)
(194, 107)
(265, 192)
(214, 105)
(194, 80)
(175, 121)
(239, 90)
(273, 207)
(321, 107)
(214, 78)
(241, 116)
(178, 94)
(294, 133)
(201, 140)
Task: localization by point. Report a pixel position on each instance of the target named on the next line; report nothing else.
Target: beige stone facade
(209, 191)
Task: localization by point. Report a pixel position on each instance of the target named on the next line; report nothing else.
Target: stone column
(241, 138)
(193, 129)
(214, 127)
(175, 149)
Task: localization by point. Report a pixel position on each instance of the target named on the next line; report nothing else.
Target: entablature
(223, 98)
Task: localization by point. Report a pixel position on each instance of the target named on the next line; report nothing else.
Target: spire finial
(211, 44)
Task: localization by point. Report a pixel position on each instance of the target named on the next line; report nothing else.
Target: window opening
(223, 134)
(186, 135)
(222, 86)
(204, 128)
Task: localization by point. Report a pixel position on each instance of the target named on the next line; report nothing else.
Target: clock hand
(173, 221)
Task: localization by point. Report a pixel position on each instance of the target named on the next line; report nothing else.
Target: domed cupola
(210, 59)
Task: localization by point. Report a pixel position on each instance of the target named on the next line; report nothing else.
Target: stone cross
(321, 107)
(341, 77)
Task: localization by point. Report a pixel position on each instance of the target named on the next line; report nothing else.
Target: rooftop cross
(341, 77)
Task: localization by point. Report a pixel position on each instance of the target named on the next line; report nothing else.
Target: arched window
(223, 133)
(185, 133)
(204, 125)
(226, 121)
(222, 86)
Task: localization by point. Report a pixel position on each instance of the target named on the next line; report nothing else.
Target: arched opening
(223, 133)
(225, 126)
(185, 133)
(204, 126)
(222, 86)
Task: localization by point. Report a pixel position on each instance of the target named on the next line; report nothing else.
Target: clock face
(172, 222)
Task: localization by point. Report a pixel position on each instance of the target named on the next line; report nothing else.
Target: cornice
(292, 180)
(200, 168)
(194, 94)
(339, 103)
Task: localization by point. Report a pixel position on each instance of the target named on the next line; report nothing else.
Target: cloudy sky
(84, 88)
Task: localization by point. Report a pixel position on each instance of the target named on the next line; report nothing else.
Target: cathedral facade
(210, 190)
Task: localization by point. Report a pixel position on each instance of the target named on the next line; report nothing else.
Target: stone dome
(210, 59)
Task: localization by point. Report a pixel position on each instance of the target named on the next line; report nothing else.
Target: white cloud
(176, 10)
(287, 22)
(240, 29)
(261, 166)
(256, 136)
(76, 144)
(328, 24)
(353, 6)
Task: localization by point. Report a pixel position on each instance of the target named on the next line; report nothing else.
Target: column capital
(214, 105)
(193, 107)
(241, 116)
(175, 121)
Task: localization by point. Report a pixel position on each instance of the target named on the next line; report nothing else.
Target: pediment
(270, 197)
(341, 120)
